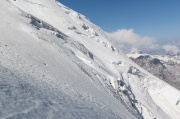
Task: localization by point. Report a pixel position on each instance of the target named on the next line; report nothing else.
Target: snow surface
(54, 63)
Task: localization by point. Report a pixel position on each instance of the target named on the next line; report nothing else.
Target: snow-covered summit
(175, 58)
(55, 63)
(135, 51)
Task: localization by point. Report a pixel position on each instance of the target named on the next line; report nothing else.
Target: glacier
(55, 63)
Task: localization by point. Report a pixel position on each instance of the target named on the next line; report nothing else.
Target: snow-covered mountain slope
(54, 63)
(40, 78)
(166, 67)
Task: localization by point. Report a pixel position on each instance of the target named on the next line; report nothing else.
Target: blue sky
(154, 18)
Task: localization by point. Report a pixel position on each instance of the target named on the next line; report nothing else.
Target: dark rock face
(155, 62)
(168, 71)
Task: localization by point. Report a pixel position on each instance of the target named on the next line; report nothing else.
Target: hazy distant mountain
(165, 67)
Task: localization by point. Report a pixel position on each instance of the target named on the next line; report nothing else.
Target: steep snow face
(40, 78)
(56, 63)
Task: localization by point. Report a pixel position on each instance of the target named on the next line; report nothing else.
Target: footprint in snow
(45, 64)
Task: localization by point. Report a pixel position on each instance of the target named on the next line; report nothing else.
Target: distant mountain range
(165, 67)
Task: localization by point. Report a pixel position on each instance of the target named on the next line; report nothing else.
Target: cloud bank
(128, 36)
(127, 39)
(171, 49)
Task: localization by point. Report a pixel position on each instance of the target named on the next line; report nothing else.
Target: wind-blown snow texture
(54, 63)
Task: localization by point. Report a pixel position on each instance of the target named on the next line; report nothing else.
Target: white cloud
(127, 40)
(132, 40)
(171, 49)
